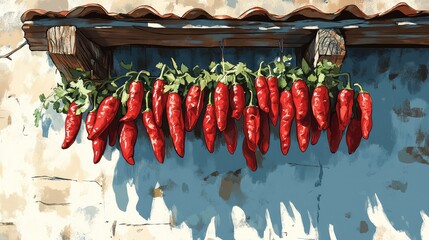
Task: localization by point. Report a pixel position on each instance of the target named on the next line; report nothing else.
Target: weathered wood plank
(70, 49)
(206, 33)
(328, 44)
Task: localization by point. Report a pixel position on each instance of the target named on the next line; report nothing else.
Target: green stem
(94, 108)
(162, 71)
(251, 98)
(260, 68)
(360, 87)
(269, 70)
(210, 98)
(147, 102)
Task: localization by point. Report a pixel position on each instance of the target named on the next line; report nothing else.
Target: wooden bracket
(328, 44)
(70, 49)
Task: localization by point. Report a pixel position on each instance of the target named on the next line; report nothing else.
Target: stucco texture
(50, 193)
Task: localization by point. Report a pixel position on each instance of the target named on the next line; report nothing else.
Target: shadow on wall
(204, 185)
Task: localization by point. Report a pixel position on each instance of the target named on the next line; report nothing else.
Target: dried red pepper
(262, 93)
(320, 104)
(287, 114)
(134, 102)
(105, 115)
(365, 104)
(155, 133)
(315, 130)
(231, 135)
(303, 128)
(90, 120)
(251, 125)
(176, 123)
(159, 100)
(193, 106)
(344, 106)
(209, 126)
(113, 130)
(221, 104)
(127, 140)
(300, 99)
(99, 146)
(72, 125)
(249, 155)
(274, 99)
(236, 95)
(335, 134)
(353, 134)
(264, 137)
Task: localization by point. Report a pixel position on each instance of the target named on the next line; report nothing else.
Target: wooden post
(70, 49)
(328, 44)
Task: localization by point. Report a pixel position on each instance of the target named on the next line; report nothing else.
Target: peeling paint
(406, 111)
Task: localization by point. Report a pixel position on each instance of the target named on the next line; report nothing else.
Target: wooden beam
(410, 31)
(70, 49)
(328, 44)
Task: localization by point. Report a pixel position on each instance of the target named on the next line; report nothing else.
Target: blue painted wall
(333, 187)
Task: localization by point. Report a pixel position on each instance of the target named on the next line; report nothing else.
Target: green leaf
(203, 84)
(159, 65)
(37, 117)
(104, 92)
(170, 77)
(305, 67)
(228, 66)
(212, 65)
(127, 66)
(46, 105)
(42, 97)
(59, 92)
(56, 106)
(100, 99)
(184, 68)
(321, 78)
(124, 98)
(282, 82)
(174, 64)
(312, 78)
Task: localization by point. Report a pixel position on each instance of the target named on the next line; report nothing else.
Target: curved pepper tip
(130, 160)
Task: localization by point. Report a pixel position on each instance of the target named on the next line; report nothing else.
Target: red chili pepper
(90, 120)
(274, 99)
(315, 131)
(320, 104)
(353, 134)
(264, 137)
(231, 135)
(127, 140)
(249, 155)
(176, 123)
(287, 114)
(262, 93)
(134, 102)
(72, 125)
(334, 133)
(300, 99)
(251, 126)
(193, 106)
(105, 115)
(344, 107)
(236, 95)
(221, 104)
(303, 133)
(209, 126)
(113, 132)
(155, 133)
(159, 100)
(365, 104)
(99, 146)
